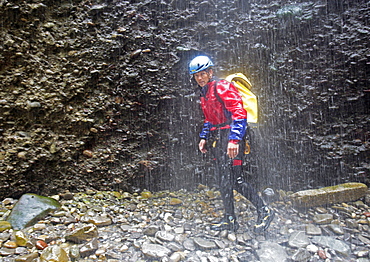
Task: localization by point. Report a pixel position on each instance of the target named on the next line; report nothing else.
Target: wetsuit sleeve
(204, 134)
(238, 129)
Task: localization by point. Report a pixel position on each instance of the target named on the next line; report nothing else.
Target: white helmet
(200, 63)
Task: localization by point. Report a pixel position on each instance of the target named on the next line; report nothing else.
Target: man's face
(203, 77)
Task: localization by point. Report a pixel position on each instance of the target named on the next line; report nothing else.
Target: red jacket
(229, 110)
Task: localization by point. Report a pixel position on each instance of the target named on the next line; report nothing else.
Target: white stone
(154, 250)
(175, 257)
(312, 248)
(271, 251)
(179, 230)
(231, 237)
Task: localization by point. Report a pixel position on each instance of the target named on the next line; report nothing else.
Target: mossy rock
(54, 253)
(29, 209)
(347, 192)
(83, 233)
(5, 225)
(175, 201)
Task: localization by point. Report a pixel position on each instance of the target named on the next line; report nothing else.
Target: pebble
(41, 245)
(28, 257)
(177, 256)
(301, 255)
(313, 230)
(336, 229)
(175, 201)
(204, 243)
(88, 153)
(143, 229)
(154, 250)
(10, 244)
(165, 236)
(4, 225)
(323, 218)
(54, 253)
(298, 240)
(39, 227)
(20, 238)
(322, 254)
(312, 248)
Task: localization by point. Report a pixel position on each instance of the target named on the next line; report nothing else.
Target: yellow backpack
(242, 83)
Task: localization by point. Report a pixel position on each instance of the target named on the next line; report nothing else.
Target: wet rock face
(73, 83)
(96, 94)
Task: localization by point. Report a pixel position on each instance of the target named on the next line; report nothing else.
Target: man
(223, 133)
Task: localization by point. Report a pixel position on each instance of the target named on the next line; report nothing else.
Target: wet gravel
(174, 226)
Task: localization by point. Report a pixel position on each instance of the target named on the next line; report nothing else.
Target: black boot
(228, 223)
(265, 216)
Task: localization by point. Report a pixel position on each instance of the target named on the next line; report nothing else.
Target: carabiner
(247, 149)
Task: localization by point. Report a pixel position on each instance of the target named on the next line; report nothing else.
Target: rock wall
(81, 105)
(95, 94)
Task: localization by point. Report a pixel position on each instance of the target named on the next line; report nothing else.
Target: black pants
(229, 172)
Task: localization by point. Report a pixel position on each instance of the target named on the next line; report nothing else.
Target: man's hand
(202, 146)
(232, 150)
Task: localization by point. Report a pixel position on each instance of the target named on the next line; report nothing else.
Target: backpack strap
(217, 95)
(222, 103)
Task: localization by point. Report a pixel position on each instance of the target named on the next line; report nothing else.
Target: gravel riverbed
(174, 226)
